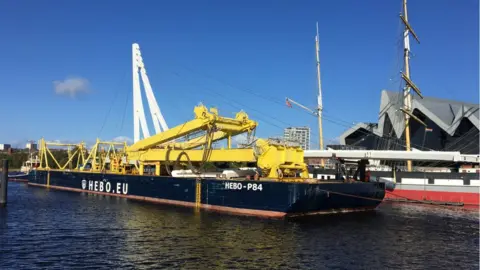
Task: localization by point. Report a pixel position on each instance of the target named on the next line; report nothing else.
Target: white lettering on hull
(242, 186)
(105, 186)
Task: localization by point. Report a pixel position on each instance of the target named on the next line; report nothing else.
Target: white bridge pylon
(139, 121)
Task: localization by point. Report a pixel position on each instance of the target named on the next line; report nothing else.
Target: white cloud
(71, 86)
(122, 139)
(20, 143)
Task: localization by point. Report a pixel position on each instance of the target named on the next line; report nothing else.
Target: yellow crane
(276, 159)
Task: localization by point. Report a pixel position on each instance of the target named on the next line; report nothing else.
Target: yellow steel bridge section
(275, 159)
(205, 120)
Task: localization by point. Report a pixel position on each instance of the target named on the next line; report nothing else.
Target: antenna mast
(407, 100)
(319, 97)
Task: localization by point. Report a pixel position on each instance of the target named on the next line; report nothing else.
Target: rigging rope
(124, 111)
(444, 204)
(261, 118)
(386, 140)
(121, 82)
(387, 199)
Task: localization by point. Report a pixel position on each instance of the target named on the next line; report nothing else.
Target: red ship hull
(465, 198)
(458, 188)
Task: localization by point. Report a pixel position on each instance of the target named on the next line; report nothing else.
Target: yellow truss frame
(276, 160)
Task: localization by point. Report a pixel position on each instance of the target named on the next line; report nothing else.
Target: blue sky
(219, 53)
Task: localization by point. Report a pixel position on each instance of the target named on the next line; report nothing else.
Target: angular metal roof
(447, 114)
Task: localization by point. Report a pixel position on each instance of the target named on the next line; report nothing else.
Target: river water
(41, 229)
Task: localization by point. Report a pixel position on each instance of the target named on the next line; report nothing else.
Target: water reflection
(59, 229)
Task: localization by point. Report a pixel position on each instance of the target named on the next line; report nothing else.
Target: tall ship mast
(318, 111)
(409, 85)
(319, 98)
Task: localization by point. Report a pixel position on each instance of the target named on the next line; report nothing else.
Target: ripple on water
(63, 230)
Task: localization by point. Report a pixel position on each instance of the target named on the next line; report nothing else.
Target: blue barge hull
(17, 177)
(247, 197)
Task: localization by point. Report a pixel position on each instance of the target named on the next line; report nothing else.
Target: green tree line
(17, 158)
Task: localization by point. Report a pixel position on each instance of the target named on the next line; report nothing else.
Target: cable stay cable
(271, 99)
(241, 105)
(121, 82)
(228, 100)
(384, 140)
(265, 97)
(268, 98)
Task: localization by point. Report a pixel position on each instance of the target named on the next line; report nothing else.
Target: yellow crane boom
(204, 120)
(275, 159)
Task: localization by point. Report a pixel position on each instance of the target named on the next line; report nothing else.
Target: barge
(267, 198)
(170, 167)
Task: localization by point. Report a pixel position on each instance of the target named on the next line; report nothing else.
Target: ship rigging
(404, 156)
(319, 110)
(409, 85)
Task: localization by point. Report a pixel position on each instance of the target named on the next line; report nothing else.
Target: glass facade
(465, 139)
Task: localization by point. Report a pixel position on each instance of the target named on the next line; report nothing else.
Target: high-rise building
(300, 135)
(5, 147)
(31, 146)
